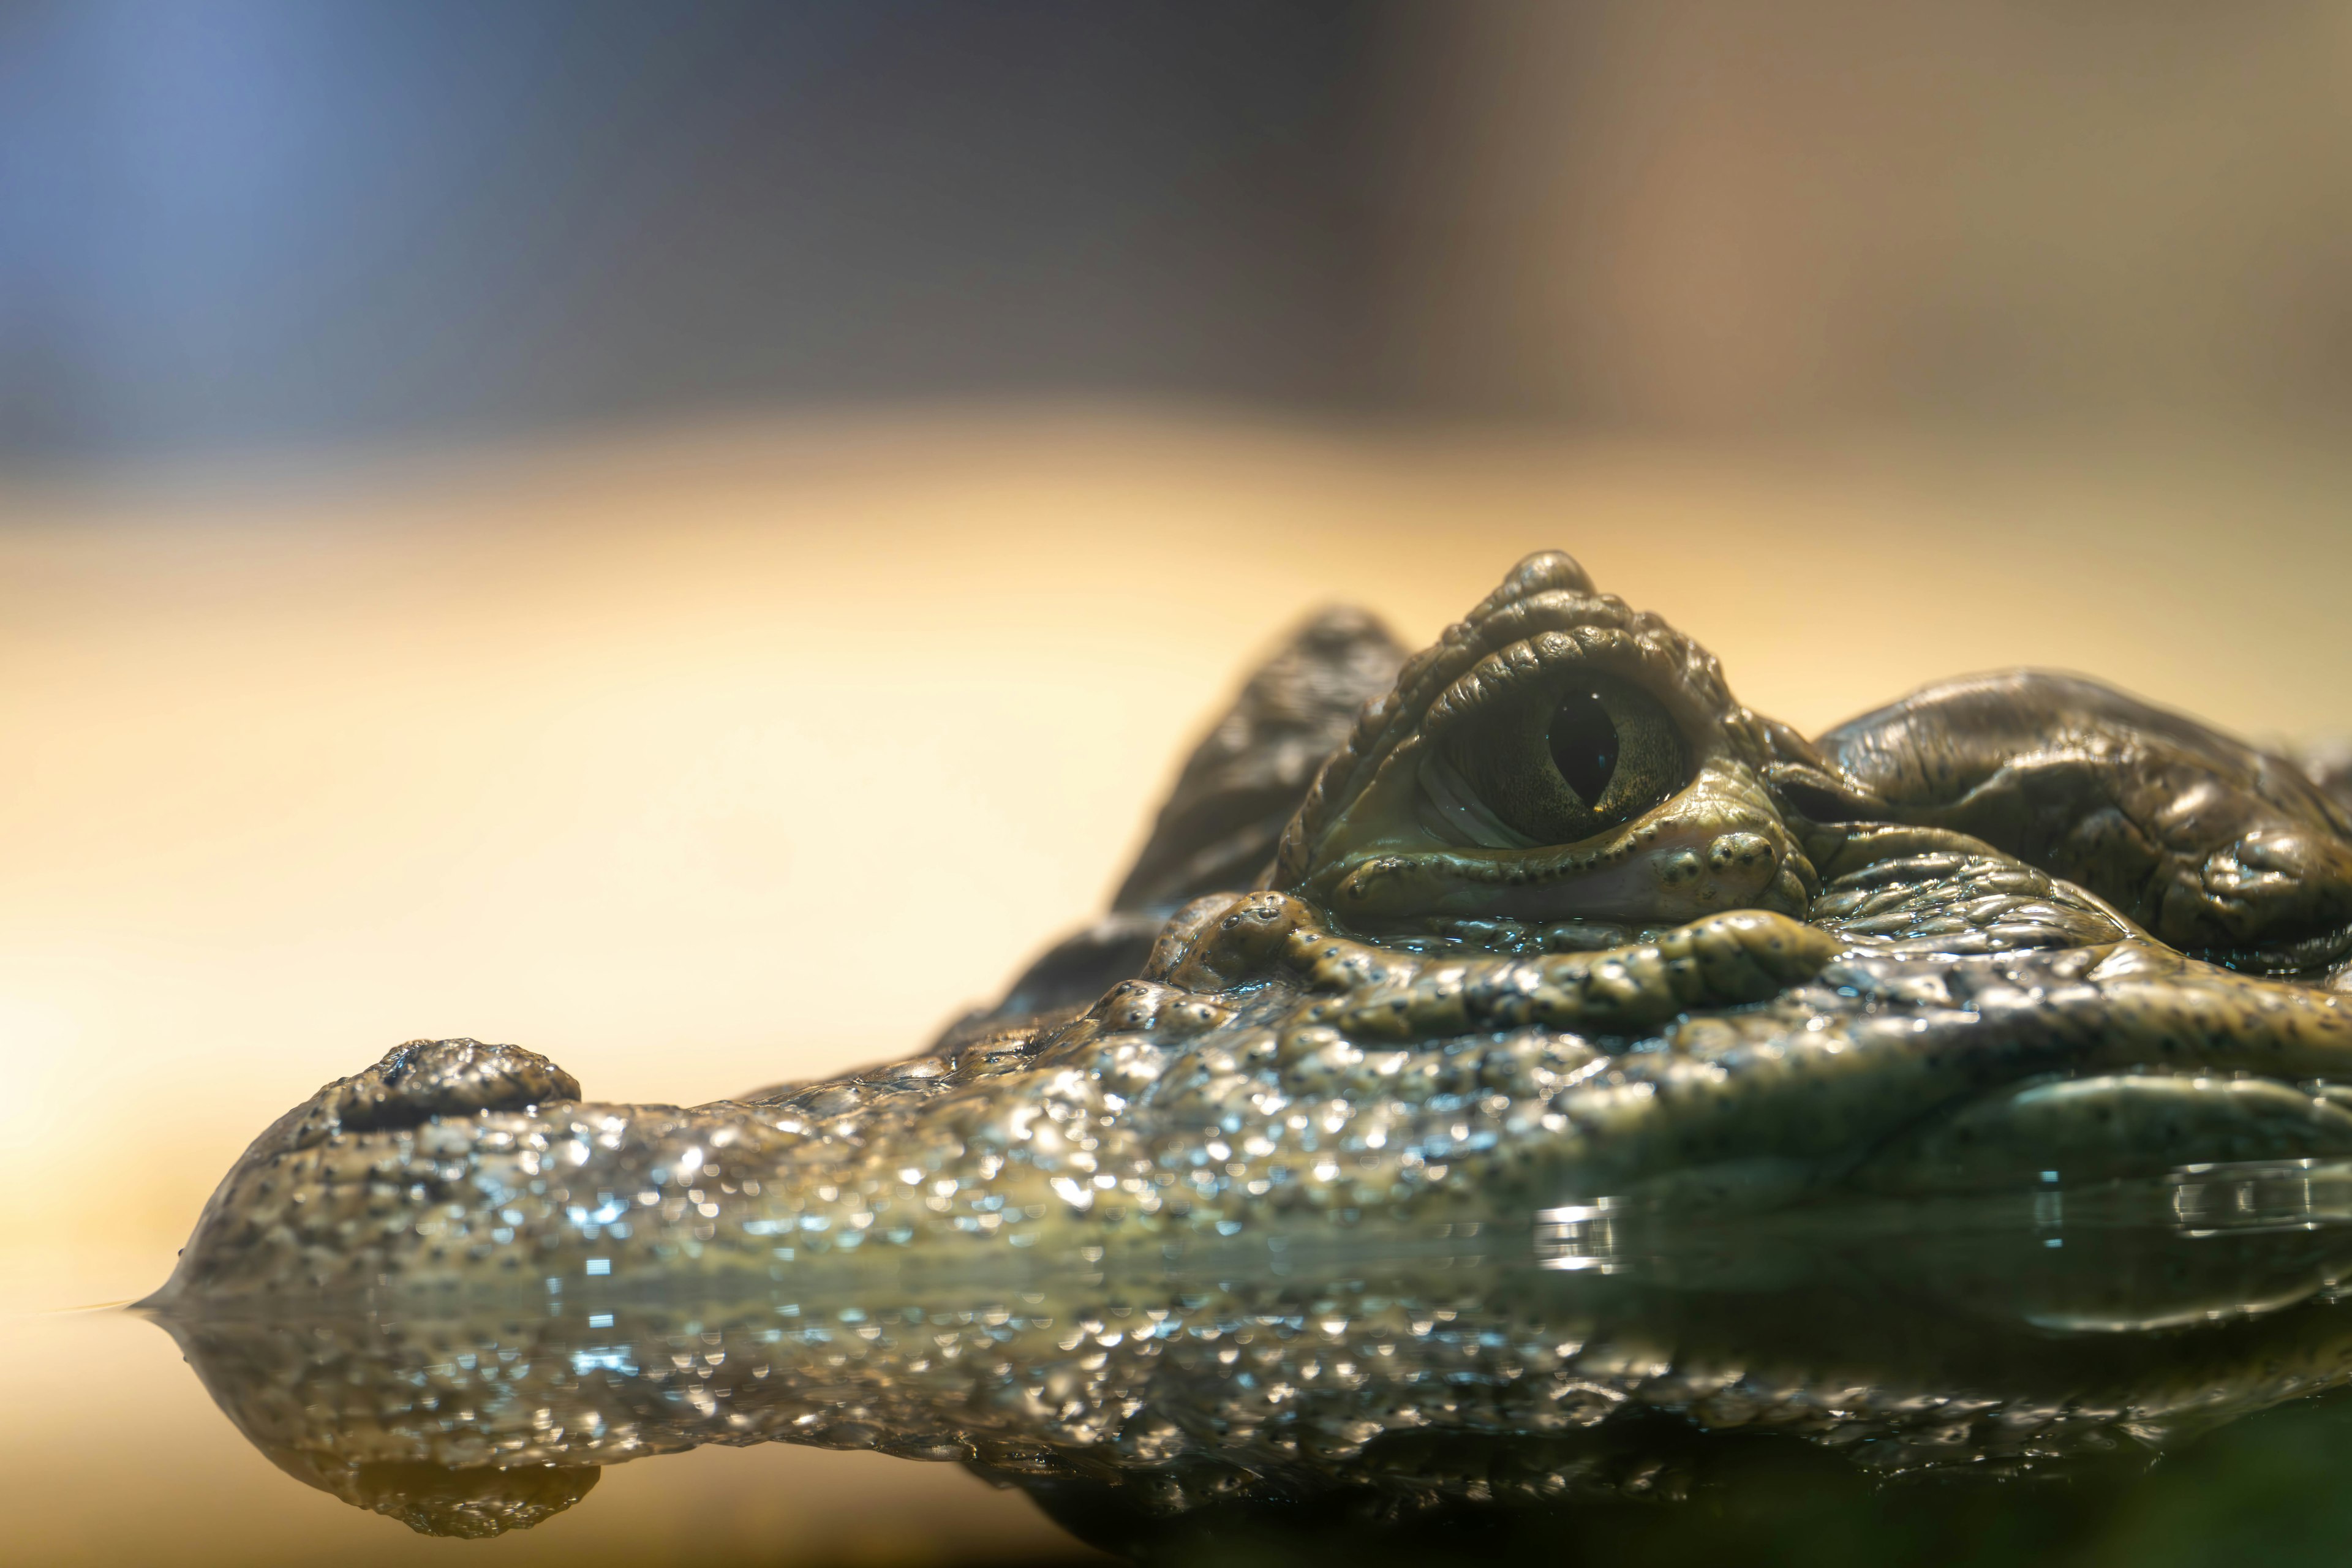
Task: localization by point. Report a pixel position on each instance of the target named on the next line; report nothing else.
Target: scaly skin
(1801, 970)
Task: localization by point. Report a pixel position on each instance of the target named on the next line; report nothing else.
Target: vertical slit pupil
(1583, 739)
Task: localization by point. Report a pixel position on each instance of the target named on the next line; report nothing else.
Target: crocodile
(1540, 917)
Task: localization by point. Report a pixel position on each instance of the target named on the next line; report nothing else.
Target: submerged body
(1558, 921)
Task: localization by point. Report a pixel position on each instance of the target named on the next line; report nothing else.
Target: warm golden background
(696, 547)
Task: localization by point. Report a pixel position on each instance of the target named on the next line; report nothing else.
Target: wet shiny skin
(1783, 971)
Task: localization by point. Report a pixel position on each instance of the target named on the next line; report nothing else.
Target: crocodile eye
(1567, 761)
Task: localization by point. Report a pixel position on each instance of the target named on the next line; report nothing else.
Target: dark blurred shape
(2330, 767)
(2264, 1490)
(1243, 782)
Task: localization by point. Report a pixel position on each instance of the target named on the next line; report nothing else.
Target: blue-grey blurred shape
(238, 223)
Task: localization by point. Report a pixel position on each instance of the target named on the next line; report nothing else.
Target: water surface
(2147, 1373)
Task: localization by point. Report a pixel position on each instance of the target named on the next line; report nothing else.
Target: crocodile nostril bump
(1738, 851)
(1677, 867)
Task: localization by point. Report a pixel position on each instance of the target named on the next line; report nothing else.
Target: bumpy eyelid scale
(1546, 660)
(1550, 663)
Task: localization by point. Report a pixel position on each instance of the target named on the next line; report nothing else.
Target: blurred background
(244, 226)
(692, 537)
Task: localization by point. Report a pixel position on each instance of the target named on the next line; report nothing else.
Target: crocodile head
(1558, 922)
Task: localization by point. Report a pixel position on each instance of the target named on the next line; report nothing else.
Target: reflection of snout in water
(1457, 1366)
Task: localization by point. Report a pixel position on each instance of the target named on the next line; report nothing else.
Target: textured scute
(1242, 784)
(2207, 842)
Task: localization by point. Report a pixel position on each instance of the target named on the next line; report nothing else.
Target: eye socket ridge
(1555, 761)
